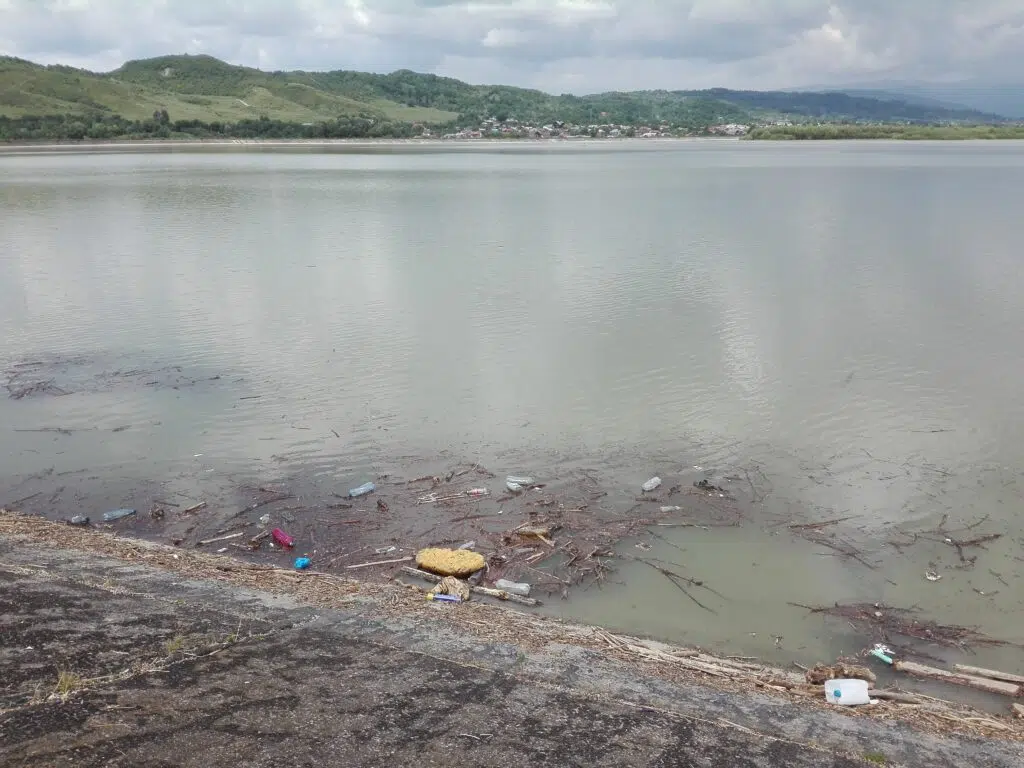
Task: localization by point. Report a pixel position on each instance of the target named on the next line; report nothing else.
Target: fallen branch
(194, 507)
(379, 562)
(500, 594)
(203, 542)
(678, 580)
(814, 526)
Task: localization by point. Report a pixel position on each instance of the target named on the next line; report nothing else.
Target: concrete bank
(111, 660)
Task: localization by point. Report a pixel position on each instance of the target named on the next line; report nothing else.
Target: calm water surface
(844, 316)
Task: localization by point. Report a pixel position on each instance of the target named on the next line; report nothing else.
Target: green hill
(190, 95)
(189, 88)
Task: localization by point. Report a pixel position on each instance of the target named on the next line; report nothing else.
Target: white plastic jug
(848, 693)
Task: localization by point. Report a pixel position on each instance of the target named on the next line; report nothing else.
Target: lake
(832, 328)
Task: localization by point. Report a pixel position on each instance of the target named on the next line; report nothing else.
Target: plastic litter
(302, 563)
(282, 538)
(666, 510)
(362, 490)
(449, 585)
(444, 598)
(514, 487)
(847, 692)
(384, 550)
(882, 652)
(264, 520)
(513, 587)
(651, 484)
(523, 480)
(880, 655)
(468, 545)
(117, 514)
(79, 520)
(478, 492)
(932, 575)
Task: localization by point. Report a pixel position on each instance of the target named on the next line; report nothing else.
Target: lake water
(843, 317)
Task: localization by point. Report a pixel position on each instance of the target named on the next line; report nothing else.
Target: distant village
(514, 129)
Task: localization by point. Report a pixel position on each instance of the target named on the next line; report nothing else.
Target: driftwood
(379, 562)
(992, 674)
(899, 698)
(499, 594)
(981, 683)
(1018, 710)
(698, 661)
(203, 542)
(194, 507)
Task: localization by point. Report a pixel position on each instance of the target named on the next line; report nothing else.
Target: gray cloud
(558, 45)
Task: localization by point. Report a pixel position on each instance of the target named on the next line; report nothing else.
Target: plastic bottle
(516, 480)
(302, 563)
(117, 514)
(478, 492)
(362, 490)
(79, 520)
(847, 692)
(282, 538)
(513, 587)
(651, 484)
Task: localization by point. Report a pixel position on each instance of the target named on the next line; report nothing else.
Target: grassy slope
(197, 88)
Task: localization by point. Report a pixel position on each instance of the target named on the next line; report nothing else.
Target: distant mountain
(205, 89)
(1004, 99)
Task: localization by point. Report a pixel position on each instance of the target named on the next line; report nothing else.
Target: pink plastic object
(282, 538)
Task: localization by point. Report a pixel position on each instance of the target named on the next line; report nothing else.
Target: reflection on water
(844, 315)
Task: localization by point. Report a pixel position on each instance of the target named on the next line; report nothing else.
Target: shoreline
(771, 703)
(500, 621)
(12, 147)
(129, 145)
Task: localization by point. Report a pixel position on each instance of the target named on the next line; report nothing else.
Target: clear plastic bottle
(117, 514)
(513, 587)
(362, 490)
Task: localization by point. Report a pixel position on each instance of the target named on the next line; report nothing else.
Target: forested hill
(205, 89)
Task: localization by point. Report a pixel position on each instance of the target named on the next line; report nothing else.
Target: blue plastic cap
(302, 562)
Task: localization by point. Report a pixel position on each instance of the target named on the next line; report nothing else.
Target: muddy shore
(267, 665)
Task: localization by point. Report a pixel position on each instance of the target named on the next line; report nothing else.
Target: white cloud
(578, 45)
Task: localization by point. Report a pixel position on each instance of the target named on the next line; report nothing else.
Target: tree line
(886, 131)
(103, 127)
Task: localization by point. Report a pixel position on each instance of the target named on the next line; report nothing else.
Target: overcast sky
(574, 46)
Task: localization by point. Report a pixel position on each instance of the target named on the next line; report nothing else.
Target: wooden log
(989, 673)
(495, 593)
(899, 698)
(955, 678)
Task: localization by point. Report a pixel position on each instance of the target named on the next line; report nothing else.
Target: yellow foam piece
(450, 562)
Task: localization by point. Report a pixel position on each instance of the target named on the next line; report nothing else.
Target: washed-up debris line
(885, 623)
